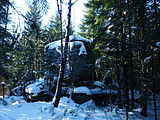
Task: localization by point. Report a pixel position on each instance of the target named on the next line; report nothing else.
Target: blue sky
(77, 11)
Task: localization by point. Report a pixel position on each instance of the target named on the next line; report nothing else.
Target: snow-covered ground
(18, 109)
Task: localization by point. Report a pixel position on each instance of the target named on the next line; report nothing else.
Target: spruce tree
(126, 32)
(31, 46)
(6, 41)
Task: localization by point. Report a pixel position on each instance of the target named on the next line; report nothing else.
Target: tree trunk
(126, 88)
(143, 38)
(155, 107)
(6, 22)
(58, 93)
(118, 77)
(130, 55)
(156, 16)
(144, 105)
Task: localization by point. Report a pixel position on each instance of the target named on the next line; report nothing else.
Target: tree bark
(7, 10)
(144, 105)
(155, 107)
(126, 90)
(58, 93)
(130, 54)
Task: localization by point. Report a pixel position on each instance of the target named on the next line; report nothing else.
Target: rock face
(80, 66)
(37, 91)
(79, 71)
(81, 95)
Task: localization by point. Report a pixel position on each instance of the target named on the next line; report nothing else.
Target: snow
(15, 99)
(82, 49)
(35, 88)
(98, 83)
(74, 40)
(67, 110)
(24, 111)
(54, 45)
(82, 89)
(147, 59)
(158, 44)
(109, 27)
(137, 94)
(99, 91)
(97, 63)
(107, 48)
(3, 102)
(79, 38)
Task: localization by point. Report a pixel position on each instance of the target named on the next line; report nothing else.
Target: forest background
(125, 36)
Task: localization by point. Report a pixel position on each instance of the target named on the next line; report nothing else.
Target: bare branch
(58, 6)
(16, 10)
(74, 2)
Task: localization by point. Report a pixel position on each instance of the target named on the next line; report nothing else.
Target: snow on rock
(74, 40)
(79, 38)
(54, 45)
(81, 95)
(35, 88)
(82, 89)
(82, 49)
(147, 59)
(18, 91)
(158, 44)
(100, 91)
(98, 83)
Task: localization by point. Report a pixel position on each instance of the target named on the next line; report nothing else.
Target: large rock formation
(80, 65)
(81, 95)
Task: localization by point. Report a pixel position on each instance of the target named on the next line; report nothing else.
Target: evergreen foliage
(125, 35)
(6, 42)
(29, 56)
(54, 31)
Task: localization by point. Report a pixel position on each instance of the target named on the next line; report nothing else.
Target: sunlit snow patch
(82, 89)
(73, 40)
(35, 88)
